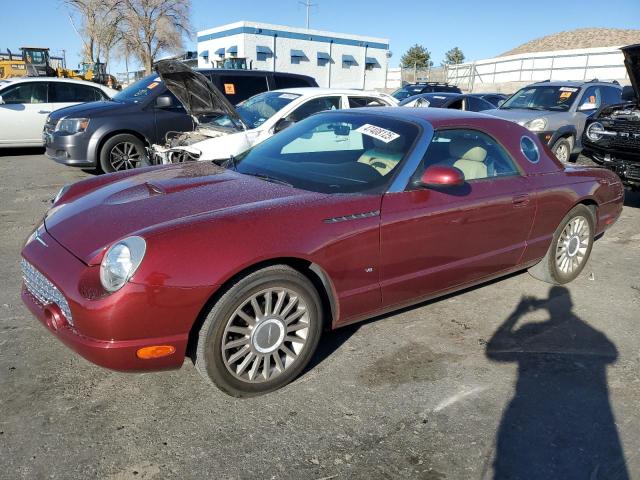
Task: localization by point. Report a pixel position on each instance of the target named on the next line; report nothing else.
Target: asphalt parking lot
(505, 378)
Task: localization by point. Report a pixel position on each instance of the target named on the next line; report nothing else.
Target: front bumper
(625, 165)
(70, 150)
(108, 330)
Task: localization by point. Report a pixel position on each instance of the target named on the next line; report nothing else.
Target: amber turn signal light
(155, 351)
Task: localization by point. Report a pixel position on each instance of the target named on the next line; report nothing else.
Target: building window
(349, 61)
(298, 56)
(263, 53)
(370, 63)
(323, 59)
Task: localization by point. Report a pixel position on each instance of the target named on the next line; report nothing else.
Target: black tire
(213, 361)
(123, 152)
(549, 268)
(562, 150)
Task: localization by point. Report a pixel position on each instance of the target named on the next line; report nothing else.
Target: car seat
(469, 158)
(384, 156)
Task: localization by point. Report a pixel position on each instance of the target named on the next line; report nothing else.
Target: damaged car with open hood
(224, 131)
(612, 136)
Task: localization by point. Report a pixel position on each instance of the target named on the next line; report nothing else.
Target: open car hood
(195, 91)
(632, 62)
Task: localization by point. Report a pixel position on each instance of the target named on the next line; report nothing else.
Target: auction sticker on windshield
(229, 89)
(378, 132)
(288, 96)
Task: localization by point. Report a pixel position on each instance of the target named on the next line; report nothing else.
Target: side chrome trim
(353, 216)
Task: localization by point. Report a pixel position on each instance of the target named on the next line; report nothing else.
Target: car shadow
(559, 423)
(17, 152)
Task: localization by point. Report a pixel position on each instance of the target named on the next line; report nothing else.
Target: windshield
(543, 97)
(434, 100)
(333, 153)
(260, 108)
(139, 90)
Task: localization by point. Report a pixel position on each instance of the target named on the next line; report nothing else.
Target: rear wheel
(123, 152)
(562, 150)
(570, 248)
(261, 333)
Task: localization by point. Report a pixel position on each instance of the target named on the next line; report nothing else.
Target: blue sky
(481, 29)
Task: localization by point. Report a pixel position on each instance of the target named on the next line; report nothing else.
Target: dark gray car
(113, 135)
(557, 111)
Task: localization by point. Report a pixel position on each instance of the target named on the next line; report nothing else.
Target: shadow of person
(559, 423)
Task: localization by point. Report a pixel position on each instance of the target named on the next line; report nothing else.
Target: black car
(612, 136)
(457, 101)
(496, 99)
(114, 134)
(423, 87)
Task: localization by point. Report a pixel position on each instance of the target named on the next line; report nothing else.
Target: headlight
(60, 193)
(72, 125)
(594, 131)
(536, 125)
(121, 261)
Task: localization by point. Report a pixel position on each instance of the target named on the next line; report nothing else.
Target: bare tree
(154, 26)
(99, 25)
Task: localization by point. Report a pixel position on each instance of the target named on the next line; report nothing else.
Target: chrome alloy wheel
(572, 245)
(562, 153)
(265, 335)
(124, 156)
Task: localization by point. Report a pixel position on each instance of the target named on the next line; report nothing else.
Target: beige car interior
(383, 156)
(467, 156)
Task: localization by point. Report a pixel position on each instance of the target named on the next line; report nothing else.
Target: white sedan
(253, 120)
(25, 104)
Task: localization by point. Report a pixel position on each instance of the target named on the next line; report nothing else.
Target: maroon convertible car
(338, 218)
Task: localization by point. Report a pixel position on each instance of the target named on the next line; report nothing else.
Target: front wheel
(123, 152)
(562, 150)
(570, 248)
(261, 333)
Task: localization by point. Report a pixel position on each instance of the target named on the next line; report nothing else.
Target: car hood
(169, 197)
(89, 110)
(521, 115)
(198, 95)
(632, 62)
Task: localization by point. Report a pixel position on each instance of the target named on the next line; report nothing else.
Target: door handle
(520, 200)
(44, 111)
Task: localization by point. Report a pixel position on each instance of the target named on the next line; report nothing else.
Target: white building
(333, 59)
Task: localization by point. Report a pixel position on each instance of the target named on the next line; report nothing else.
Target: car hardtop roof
(573, 83)
(228, 71)
(53, 79)
(435, 116)
(439, 94)
(327, 91)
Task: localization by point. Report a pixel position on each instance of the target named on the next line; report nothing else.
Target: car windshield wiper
(226, 162)
(268, 178)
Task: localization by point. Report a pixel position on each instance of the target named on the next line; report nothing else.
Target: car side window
(611, 95)
(63, 92)
(25, 93)
(591, 99)
(240, 87)
(474, 153)
(475, 104)
(285, 81)
(314, 105)
(359, 102)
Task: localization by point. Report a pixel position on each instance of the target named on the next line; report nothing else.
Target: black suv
(612, 136)
(423, 87)
(114, 134)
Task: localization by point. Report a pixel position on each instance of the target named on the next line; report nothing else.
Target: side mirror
(587, 106)
(628, 94)
(500, 102)
(1, 100)
(441, 176)
(164, 101)
(282, 124)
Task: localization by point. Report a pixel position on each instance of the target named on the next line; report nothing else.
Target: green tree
(453, 57)
(416, 57)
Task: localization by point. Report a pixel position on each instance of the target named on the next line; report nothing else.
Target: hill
(580, 38)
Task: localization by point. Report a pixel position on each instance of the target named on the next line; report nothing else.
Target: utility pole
(308, 4)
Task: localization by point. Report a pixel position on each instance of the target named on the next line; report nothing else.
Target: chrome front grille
(43, 290)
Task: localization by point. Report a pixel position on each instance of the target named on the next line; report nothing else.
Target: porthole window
(529, 149)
